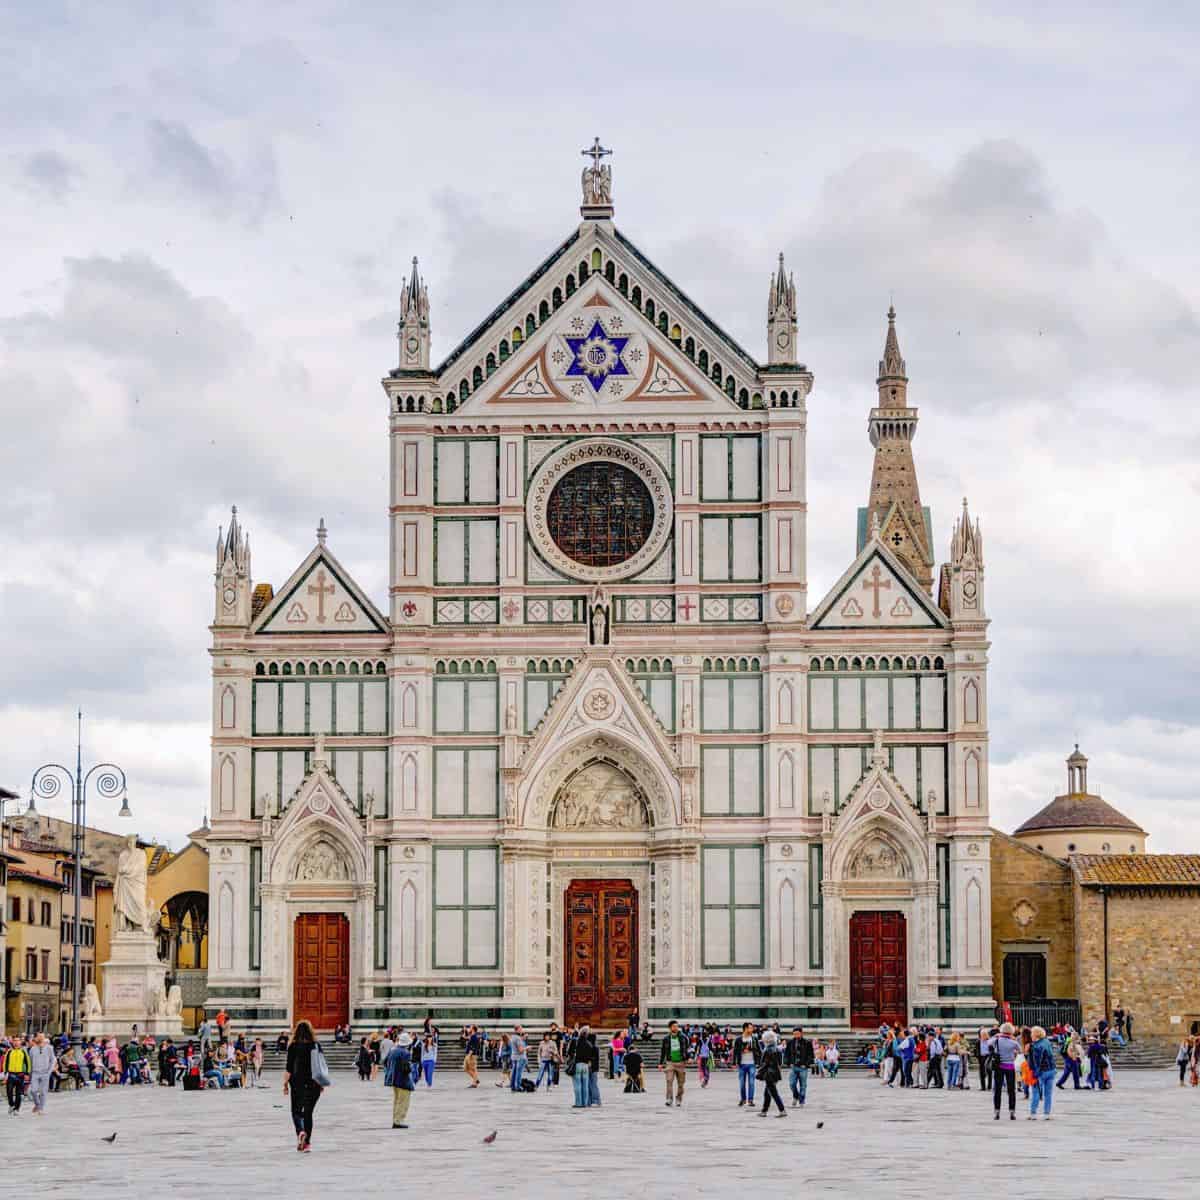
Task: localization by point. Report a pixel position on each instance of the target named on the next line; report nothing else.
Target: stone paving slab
(1135, 1142)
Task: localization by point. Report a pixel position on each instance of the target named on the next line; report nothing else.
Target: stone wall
(1032, 911)
(1153, 956)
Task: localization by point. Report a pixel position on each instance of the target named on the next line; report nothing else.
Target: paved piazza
(1136, 1141)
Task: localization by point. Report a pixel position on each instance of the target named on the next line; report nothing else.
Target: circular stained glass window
(600, 514)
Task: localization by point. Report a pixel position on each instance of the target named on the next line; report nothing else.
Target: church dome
(1080, 822)
(1078, 812)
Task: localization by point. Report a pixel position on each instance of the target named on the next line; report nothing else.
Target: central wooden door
(600, 941)
(321, 980)
(878, 969)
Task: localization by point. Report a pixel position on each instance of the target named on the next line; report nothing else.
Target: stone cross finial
(322, 532)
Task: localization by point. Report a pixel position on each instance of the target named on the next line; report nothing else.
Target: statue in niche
(876, 859)
(321, 862)
(600, 797)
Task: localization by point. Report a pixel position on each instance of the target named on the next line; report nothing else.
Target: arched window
(556, 298)
(543, 312)
(597, 259)
(610, 272)
(530, 325)
(689, 348)
(477, 377)
(490, 362)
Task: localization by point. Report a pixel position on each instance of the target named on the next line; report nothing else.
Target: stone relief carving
(321, 862)
(600, 797)
(876, 859)
(1024, 912)
(598, 704)
(663, 913)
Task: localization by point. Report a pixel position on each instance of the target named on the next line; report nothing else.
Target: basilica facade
(600, 751)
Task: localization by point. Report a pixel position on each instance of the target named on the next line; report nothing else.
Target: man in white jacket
(43, 1062)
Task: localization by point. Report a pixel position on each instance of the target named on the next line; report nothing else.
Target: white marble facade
(555, 693)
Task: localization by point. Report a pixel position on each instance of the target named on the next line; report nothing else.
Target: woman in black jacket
(298, 1080)
(770, 1072)
(364, 1060)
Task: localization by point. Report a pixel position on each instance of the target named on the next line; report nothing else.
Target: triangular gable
(320, 597)
(598, 692)
(533, 365)
(876, 592)
(318, 805)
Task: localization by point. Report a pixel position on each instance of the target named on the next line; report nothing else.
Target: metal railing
(1046, 1013)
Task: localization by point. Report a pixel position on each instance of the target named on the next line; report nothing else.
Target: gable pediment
(877, 592)
(575, 338)
(320, 597)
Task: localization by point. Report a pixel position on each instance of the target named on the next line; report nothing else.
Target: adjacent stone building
(598, 752)
(1137, 928)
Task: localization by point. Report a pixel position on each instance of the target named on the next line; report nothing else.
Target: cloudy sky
(209, 210)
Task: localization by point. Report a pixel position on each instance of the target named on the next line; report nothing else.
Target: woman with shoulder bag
(1004, 1051)
(770, 1072)
(305, 1078)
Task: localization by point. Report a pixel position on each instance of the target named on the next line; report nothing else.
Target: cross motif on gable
(320, 589)
(873, 585)
(685, 606)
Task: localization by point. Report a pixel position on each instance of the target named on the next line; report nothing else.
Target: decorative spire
(967, 539)
(321, 532)
(414, 322)
(233, 547)
(891, 367)
(781, 316)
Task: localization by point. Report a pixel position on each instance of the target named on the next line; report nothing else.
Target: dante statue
(129, 892)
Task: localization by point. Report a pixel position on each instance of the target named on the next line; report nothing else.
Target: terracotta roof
(1080, 811)
(264, 593)
(1139, 870)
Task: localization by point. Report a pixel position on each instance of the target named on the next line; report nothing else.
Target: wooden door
(878, 969)
(321, 992)
(600, 970)
(1024, 978)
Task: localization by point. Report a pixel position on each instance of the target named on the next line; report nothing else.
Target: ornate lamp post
(48, 782)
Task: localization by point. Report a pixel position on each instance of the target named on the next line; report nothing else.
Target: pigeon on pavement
(110, 1140)
(491, 1137)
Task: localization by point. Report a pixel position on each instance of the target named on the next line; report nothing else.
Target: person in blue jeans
(798, 1055)
(1070, 1062)
(746, 1055)
(908, 1051)
(520, 1057)
(1041, 1063)
(585, 1059)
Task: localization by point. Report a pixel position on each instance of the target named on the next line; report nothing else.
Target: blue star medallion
(596, 356)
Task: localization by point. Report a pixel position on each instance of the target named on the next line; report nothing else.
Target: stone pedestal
(132, 984)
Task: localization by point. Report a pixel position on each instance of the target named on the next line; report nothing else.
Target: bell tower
(895, 499)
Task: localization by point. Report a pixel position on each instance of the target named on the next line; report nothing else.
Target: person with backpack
(1041, 1063)
(302, 1079)
(397, 1074)
(17, 1068)
(1004, 1051)
(584, 1066)
(635, 1081)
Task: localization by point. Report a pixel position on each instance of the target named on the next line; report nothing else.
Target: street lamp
(47, 783)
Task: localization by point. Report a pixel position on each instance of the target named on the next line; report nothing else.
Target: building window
(466, 471)
(655, 679)
(729, 467)
(45, 964)
(544, 679)
(381, 908)
(47, 914)
(465, 550)
(29, 917)
(466, 705)
(255, 908)
(853, 702)
(732, 906)
(731, 781)
(731, 702)
(816, 907)
(943, 873)
(466, 907)
(466, 781)
(730, 550)
(31, 964)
